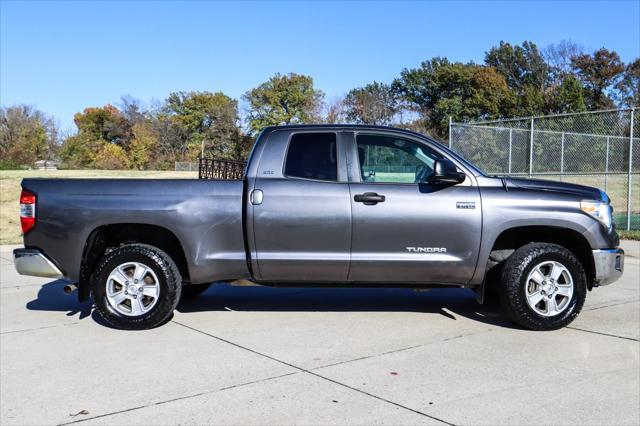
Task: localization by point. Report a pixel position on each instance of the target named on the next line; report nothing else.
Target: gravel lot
(251, 355)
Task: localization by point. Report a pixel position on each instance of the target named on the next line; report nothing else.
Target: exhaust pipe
(70, 288)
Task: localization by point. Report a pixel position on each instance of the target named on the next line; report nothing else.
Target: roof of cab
(345, 126)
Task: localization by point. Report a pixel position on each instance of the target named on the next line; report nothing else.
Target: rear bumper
(33, 262)
(609, 265)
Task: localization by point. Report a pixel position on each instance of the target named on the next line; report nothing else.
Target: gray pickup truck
(328, 205)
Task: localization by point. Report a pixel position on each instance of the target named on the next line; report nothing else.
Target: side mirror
(445, 171)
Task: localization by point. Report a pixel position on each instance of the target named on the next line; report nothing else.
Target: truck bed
(205, 215)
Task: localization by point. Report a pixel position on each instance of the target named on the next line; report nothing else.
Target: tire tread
(164, 307)
(512, 294)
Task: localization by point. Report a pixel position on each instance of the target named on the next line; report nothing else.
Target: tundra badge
(426, 249)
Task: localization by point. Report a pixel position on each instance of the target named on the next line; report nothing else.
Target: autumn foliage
(513, 81)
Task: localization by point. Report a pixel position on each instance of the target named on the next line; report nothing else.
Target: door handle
(369, 198)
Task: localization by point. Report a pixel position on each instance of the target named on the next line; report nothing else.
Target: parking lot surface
(253, 355)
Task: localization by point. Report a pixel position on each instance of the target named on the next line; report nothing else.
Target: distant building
(46, 165)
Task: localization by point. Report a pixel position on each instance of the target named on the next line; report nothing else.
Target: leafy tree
(205, 117)
(26, 135)
(96, 127)
(78, 151)
(375, 103)
(243, 147)
(526, 73)
(439, 89)
(143, 145)
(628, 88)
(111, 157)
(490, 95)
(521, 66)
(598, 72)
(569, 96)
(283, 99)
(106, 124)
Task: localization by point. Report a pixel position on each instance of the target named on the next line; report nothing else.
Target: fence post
(561, 156)
(633, 110)
(450, 132)
(531, 149)
(510, 145)
(606, 166)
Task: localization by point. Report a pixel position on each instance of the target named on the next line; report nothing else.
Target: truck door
(302, 221)
(405, 230)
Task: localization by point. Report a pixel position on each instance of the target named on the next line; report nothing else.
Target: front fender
(503, 211)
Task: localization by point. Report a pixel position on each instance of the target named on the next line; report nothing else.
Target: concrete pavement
(252, 355)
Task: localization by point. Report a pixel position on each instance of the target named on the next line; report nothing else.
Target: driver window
(387, 159)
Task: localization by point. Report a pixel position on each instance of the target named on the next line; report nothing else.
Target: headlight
(599, 210)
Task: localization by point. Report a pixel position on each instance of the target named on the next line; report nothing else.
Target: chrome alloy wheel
(549, 288)
(132, 289)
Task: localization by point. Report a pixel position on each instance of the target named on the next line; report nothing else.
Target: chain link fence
(186, 166)
(600, 149)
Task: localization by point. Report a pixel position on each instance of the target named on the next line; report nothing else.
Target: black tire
(513, 293)
(169, 282)
(191, 291)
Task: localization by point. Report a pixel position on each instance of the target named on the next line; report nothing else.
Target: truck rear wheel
(543, 286)
(136, 286)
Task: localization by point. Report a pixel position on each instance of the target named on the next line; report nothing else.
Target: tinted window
(388, 159)
(312, 156)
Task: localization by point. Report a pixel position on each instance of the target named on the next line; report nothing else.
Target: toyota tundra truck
(324, 205)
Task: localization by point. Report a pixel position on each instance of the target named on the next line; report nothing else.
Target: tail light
(27, 211)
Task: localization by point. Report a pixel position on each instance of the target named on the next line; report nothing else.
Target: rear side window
(312, 156)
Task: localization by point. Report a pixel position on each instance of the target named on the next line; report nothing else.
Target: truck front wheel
(543, 286)
(136, 286)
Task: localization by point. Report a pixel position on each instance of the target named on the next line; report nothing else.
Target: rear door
(302, 222)
(405, 230)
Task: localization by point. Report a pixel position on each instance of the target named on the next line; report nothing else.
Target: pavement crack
(594, 308)
(312, 373)
(180, 398)
(239, 385)
(299, 371)
(37, 328)
(407, 348)
(603, 334)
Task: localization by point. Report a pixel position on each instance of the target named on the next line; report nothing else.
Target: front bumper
(609, 265)
(33, 262)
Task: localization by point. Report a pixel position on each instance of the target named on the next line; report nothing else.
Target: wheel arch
(109, 236)
(572, 240)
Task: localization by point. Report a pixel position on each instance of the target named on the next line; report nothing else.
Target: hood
(586, 192)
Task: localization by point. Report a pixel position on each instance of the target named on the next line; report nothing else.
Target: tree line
(513, 81)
